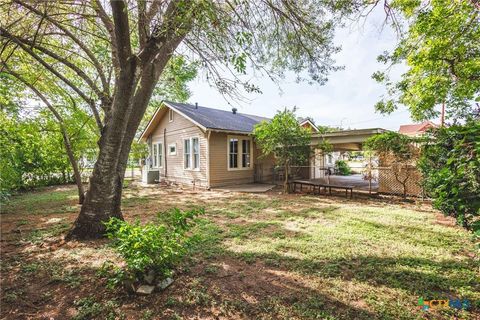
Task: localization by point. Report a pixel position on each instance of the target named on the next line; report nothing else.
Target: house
(196, 145)
(308, 124)
(415, 130)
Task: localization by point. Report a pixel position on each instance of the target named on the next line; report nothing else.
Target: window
(160, 155)
(196, 153)
(172, 149)
(191, 153)
(155, 156)
(186, 154)
(170, 115)
(245, 153)
(233, 153)
(239, 154)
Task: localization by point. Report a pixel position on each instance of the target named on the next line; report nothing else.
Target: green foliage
(285, 139)
(155, 246)
(442, 54)
(450, 164)
(390, 143)
(342, 168)
(31, 154)
(88, 308)
(398, 151)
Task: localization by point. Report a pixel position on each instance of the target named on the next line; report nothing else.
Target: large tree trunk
(103, 199)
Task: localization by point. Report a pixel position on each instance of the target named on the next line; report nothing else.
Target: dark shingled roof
(217, 119)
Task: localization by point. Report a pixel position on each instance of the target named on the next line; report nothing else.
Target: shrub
(342, 168)
(153, 247)
(450, 164)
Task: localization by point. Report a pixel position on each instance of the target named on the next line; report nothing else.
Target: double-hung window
(245, 153)
(160, 155)
(187, 154)
(196, 153)
(191, 153)
(157, 155)
(239, 153)
(233, 153)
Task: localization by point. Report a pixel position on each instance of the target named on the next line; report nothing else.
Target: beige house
(195, 145)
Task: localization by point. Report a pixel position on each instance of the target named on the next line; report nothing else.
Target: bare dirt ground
(266, 256)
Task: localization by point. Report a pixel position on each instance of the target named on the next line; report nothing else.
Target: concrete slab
(248, 188)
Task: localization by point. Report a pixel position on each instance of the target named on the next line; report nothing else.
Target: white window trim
(191, 154)
(170, 115)
(159, 146)
(154, 154)
(172, 153)
(240, 152)
(160, 160)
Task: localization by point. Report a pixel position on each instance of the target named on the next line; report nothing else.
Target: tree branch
(89, 101)
(107, 22)
(101, 95)
(122, 31)
(88, 52)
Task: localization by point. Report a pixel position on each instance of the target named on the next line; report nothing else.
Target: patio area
(248, 188)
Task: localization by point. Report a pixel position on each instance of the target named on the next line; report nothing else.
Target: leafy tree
(398, 150)
(32, 152)
(342, 168)
(450, 164)
(285, 139)
(442, 52)
(113, 57)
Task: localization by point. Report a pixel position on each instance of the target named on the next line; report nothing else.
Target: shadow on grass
(419, 276)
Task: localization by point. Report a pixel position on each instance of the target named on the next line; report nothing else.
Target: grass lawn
(263, 256)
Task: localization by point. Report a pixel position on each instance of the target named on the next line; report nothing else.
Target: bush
(151, 248)
(342, 168)
(450, 164)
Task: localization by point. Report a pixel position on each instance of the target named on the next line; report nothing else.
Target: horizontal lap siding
(219, 173)
(181, 128)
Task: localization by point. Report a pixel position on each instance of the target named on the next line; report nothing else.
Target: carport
(344, 140)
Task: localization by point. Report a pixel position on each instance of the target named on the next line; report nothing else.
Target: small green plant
(154, 247)
(87, 308)
(342, 168)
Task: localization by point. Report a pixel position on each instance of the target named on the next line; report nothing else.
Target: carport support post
(369, 174)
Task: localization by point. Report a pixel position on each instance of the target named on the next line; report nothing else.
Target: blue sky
(348, 98)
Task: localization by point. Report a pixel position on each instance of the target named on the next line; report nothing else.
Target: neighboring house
(415, 130)
(191, 144)
(307, 123)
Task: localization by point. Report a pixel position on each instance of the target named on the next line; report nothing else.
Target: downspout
(165, 151)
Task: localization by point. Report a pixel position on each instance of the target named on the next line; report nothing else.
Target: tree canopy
(284, 138)
(111, 56)
(441, 49)
(450, 164)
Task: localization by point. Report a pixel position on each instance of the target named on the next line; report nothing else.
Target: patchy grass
(264, 256)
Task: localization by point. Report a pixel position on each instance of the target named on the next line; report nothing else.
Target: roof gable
(310, 123)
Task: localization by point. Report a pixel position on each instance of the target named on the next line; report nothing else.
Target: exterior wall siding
(214, 171)
(176, 131)
(220, 175)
